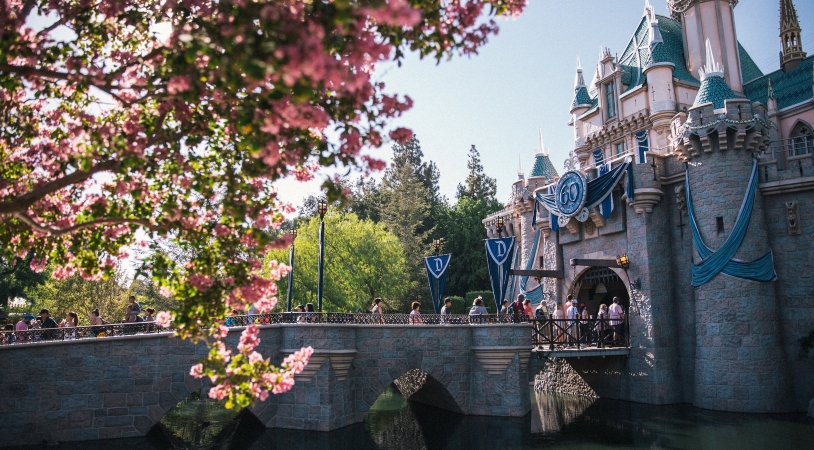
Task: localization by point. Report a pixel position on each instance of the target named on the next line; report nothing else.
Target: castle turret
(711, 20)
(790, 40)
(740, 363)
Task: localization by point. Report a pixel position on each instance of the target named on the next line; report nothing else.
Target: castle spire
(790, 39)
(541, 150)
(655, 32)
(581, 96)
(711, 68)
(714, 88)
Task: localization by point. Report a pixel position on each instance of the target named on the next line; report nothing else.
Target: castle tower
(740, 363)
(790, 39)
(711, 20)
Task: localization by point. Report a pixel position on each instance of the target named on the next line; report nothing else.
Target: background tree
(17, 279)
(82, 296)
(115, 128)
(362, 261)
(477, 185)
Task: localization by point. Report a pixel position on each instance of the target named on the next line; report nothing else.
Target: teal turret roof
(790, 88)
(715, 90)
(641, 52)
(543, 167)
(581, 96)
(713, 85)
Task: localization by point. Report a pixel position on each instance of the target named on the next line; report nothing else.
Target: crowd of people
(25, 329)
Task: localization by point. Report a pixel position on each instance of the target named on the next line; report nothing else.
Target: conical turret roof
(581, 96)
(713, 85)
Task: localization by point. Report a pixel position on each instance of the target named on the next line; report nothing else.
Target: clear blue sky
(523, 80)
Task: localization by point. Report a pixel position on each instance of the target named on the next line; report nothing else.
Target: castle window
(610, 99)
(802, 139)
(620, 147)
(719, 225)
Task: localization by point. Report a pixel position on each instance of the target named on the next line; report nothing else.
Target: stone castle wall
(121, 386)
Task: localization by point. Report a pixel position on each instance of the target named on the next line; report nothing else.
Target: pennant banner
(499, 254)
(437, 276)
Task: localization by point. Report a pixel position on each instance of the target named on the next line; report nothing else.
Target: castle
(698, 166)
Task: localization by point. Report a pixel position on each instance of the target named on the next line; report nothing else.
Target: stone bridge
(122, 386)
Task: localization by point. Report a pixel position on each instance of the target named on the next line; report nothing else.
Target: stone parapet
(120, 387)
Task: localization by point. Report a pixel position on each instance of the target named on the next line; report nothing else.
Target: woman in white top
(378, 314)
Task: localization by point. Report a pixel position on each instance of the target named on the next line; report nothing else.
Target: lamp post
(322, 208)
(499, 226)
(291, 265)
(437, 244)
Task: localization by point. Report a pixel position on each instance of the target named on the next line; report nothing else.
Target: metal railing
(78, 333)
(579, 333)
(130, 329)
(798, 146)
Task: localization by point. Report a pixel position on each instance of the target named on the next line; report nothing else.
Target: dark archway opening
(420, 387)
(202, 423)
(597, 286)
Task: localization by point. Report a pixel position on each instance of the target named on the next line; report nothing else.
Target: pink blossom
(201, 282)
(221, 331)
(401, 135)
(196, 370)
(164, 319)
(220, 391)
(38, 264)
(178, 84)
(296, 362)
(249, 339)
(255, 357)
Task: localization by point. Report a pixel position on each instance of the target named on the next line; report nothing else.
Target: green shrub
(488, 300)
(458, 305)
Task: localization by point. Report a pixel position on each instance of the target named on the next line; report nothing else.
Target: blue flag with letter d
(499, 253)
(437, 275)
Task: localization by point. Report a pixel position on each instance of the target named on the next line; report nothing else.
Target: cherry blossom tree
(111, 128)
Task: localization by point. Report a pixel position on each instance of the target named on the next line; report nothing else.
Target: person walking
(601, 326)
(572, 313)
(477, 311)
(22, 326)
(541, 329)
(559, 322)
(517, 309)
(309, 313)
(584, 325)
(134, 304)
(48, 323)
(446, 310)
(96, 322)
(415, 314)
(616, 316)
(504, 310)
(378, 314)
(527, 311)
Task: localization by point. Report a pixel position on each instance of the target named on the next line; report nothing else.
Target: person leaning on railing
(378, 314)
(478, 311)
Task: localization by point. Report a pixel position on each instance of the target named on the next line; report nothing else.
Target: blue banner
(437, 276)
(606, 207)
(499, 252)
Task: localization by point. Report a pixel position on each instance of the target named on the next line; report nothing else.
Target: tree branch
(22, 202)
(62, 231)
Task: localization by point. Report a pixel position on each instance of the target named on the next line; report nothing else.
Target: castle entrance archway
(597, 286)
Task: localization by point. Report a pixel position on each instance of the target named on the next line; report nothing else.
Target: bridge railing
(129, 329)
(373, 319)
(78, 333)
(579, 333)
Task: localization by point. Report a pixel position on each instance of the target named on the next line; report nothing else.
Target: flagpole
(291, 271)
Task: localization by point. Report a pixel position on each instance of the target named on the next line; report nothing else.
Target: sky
(522, 81)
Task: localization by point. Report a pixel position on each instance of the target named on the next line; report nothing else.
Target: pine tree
(477, 185)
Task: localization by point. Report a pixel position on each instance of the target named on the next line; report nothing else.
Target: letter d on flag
(437, 276)
(499, 254)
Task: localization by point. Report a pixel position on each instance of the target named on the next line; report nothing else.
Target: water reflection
(557, 421)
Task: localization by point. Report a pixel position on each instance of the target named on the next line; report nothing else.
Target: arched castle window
(802, 138)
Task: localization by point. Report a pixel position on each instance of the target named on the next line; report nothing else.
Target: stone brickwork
(741, 364)
(119, 387)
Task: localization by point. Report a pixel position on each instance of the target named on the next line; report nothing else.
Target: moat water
(556, 421)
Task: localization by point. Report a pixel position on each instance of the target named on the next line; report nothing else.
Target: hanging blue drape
(606, 207)
(534, 295)
(642, 139)
(598, 189)
(599, 157)
(713, 262)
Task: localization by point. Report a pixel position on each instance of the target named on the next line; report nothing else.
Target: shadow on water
(556, 421)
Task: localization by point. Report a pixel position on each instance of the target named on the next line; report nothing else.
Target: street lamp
(322, 208)
(291, 265)
(437, 244)
(499, 225)
(623, 261)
